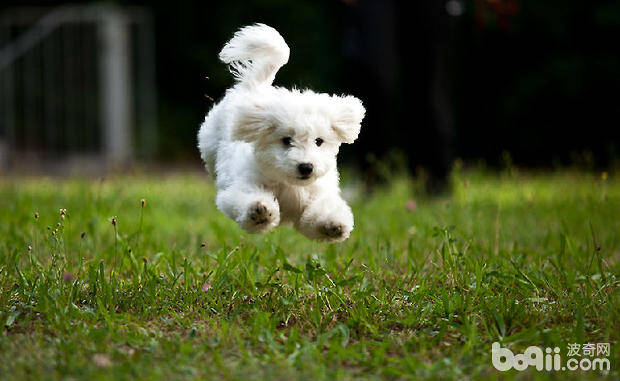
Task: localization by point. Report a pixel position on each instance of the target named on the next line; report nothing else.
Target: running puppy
(272, 150)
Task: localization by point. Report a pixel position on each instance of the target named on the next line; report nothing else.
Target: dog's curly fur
(272, 150)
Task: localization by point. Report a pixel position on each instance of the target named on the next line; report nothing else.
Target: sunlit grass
(421, 289)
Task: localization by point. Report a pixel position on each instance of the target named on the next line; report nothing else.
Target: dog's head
(296, 135)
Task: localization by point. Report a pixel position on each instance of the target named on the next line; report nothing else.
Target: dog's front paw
(334, 231)
(329, 220)
(260, 217)
(259, 214)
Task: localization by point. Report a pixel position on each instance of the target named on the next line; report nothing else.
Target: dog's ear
(253, 121)
(347, 113)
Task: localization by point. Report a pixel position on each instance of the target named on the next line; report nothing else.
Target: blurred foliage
(545, 86)
(537, 78)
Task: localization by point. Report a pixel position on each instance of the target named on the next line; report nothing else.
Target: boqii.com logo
(588, 356)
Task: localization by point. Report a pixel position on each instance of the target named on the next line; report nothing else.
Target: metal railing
(77, 82)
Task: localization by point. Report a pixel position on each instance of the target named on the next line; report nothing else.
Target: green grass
(176, 291)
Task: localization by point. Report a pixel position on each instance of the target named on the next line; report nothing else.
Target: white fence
(77, 85)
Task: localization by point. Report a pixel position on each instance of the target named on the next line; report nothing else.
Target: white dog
(272, 150)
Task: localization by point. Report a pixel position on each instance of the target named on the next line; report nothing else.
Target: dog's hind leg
(254, 209)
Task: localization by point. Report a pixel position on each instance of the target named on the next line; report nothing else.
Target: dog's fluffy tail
(254, 54)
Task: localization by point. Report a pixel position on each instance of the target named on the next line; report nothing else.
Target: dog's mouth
(304, 177)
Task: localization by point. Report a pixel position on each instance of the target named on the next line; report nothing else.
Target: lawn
(169, 288)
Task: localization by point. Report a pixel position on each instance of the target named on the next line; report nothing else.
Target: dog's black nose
(305, 169)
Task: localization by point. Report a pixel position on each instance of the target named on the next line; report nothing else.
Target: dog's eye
(287, 141)
(319, 141)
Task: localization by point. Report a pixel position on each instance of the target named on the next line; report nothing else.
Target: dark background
(536, 79)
